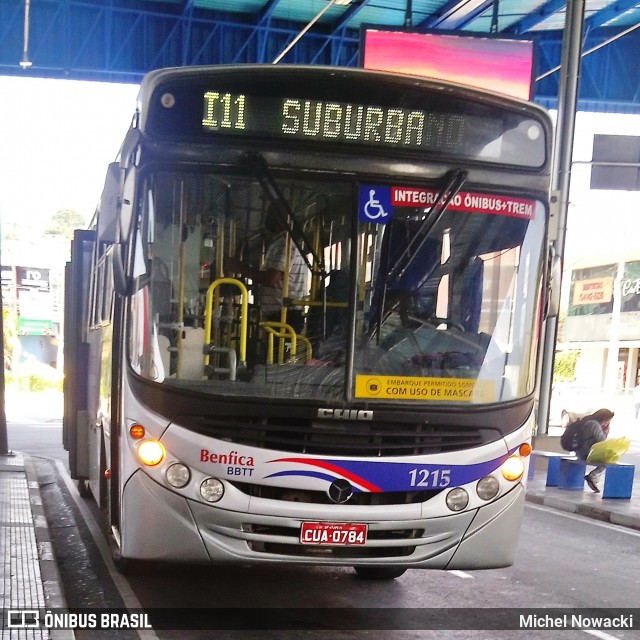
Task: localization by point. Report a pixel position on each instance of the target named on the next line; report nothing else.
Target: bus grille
(340, 437)
(358, 498)
(356, 552)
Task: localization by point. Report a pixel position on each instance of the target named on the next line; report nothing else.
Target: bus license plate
(333, 533)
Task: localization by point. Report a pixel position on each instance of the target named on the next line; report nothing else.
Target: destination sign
(321, 120)
(457, 133)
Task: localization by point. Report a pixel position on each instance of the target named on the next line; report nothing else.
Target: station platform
(625, 513)
(30, 579)
(30, 575)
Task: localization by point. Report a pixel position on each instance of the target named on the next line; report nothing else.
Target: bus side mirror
(108, 207)
(121, 282)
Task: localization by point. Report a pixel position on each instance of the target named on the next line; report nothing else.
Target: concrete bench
(618, 477)
(553, 465)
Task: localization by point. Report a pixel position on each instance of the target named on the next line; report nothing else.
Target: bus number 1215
(438, 479)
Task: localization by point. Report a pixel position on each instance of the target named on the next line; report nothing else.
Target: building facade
(32, 299)
(603, 323)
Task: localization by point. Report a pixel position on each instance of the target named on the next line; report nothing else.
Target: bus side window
(471, 295)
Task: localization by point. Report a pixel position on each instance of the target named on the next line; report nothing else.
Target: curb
(51, 582)
(588, 511)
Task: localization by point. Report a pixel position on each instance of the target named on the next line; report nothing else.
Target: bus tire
(125, 566)
(379, 573)
(83, 488)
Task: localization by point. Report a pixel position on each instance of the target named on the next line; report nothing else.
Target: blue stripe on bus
(394, 476)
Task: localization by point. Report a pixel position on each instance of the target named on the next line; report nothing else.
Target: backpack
(571, 439)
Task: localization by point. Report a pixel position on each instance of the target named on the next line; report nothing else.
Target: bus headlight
(150, 452)
(178, 475)
(457, 499)
(487, 488)
(512, 468)
(211, 490)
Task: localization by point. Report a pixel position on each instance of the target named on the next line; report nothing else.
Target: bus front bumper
(165, 526)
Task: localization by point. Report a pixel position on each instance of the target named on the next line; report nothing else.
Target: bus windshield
(386, 295)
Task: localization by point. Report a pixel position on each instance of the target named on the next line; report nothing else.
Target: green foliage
(9, 336)
(564, 366)
(64, 222)
(36, 376)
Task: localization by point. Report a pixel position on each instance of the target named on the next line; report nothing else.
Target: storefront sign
(631, 287)
(592, 291)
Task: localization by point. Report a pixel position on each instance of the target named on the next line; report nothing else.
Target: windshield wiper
(453, 183)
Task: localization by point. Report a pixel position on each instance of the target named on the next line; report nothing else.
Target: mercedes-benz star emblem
(340, 491)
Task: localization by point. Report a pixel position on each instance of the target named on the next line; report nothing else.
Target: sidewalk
(625, 513)
(30, 574)
(31, 580)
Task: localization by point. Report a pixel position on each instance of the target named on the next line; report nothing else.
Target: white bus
(383, 417)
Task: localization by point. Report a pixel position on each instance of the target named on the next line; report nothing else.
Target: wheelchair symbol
(372, 208)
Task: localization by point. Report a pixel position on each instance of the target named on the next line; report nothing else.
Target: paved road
(563, 561)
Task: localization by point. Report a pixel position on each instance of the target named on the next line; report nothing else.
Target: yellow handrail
(244, 315)
(286, 331)
(307, 345)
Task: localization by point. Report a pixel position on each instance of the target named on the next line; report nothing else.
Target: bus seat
(161, 289)
(191, 363)
(419, 267)
(164, 350)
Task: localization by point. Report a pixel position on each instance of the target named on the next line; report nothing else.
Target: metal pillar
(4, 444)
(611, 368)
(561, 180)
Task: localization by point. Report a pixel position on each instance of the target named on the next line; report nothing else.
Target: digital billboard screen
(495, 64)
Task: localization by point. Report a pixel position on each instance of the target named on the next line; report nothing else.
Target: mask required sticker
(416, 388)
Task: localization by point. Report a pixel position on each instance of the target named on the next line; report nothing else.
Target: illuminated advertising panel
(495, 64)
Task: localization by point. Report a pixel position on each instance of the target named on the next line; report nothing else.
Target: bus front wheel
(125, 566)
(83, 488)
(379, 573)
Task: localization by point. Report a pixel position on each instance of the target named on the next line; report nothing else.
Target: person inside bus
(583, 434)
(270, 277)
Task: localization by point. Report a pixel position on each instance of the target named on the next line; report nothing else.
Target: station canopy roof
(120, 40)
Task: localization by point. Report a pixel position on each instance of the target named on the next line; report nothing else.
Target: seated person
(270, 276)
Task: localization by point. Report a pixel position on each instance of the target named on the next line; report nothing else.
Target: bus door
(76, 418)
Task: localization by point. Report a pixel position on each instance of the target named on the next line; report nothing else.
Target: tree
(64, 222)
(9, 337)
(564, 366)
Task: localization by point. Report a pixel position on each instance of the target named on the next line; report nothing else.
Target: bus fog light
(487, 488)
(150, 452)
(512, 468)
(457, 499)
(211, 490)
(178, 475)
